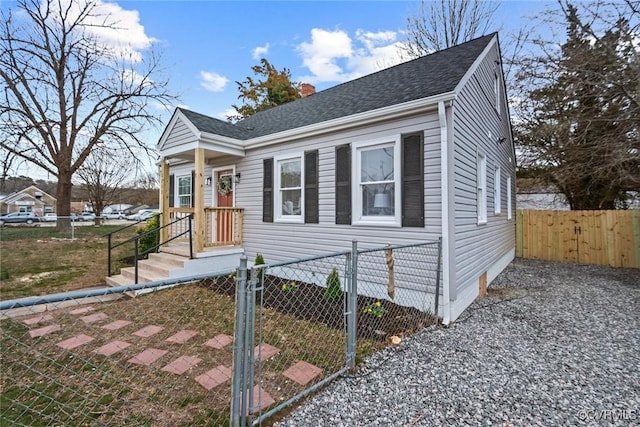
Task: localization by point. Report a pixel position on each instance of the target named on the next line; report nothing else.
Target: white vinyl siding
(481, 193)
(478, 129)
(324, 237)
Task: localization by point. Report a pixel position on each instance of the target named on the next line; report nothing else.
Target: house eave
(355, 120)
(221, 143)
(209, 143)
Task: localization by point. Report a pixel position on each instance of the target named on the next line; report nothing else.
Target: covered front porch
(195, 206)
(198, 182)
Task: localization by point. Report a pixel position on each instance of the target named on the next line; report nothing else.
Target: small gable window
(481, 180)
(496, 90)
(497, 199)
(509, 208)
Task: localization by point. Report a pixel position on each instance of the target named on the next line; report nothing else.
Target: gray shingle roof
(215, 126)
(420, 78)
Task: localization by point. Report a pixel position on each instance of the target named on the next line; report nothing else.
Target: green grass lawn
(38, 261)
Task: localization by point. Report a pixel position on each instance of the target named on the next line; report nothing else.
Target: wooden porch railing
(223, 225)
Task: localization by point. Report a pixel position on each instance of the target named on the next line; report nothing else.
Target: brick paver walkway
(148, 331)
(214, 377)
(44, 325)
(148, 356)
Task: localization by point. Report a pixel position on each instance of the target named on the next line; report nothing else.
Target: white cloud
(118, 29)
(260, 51)
(228, 113)
(213, 82)
(334, 56)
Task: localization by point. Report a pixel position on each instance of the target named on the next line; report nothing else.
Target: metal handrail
(155, 248)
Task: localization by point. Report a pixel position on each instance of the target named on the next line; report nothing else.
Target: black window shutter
(172, 190)
(343, 184)
(267, 191)
(193, 188)
(311, 187)
(412, 180)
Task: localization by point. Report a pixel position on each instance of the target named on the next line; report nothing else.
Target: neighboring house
(409, 154)
(549, 198)
(120, 207)
(30, 199)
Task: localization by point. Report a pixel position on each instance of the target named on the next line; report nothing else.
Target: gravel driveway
(552, 345)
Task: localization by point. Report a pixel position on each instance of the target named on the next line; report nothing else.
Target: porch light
(207, 181)
(237, 178)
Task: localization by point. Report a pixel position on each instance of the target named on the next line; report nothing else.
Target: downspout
(444, 222)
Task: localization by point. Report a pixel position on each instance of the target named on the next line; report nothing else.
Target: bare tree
(103, 174)
(441, 24)
(148, 180)
(67, 92)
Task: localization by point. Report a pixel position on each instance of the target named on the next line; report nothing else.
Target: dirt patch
(505, 293)
(377, 319)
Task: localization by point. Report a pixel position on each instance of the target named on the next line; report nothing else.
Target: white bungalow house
(408, 154)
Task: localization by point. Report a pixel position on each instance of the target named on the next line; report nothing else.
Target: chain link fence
(234, 346)
(162, 359)
(308, 321)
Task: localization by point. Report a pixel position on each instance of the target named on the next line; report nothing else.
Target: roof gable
(25, 192)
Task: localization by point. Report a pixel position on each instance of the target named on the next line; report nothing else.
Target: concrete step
(117, 280)
(143, 276)
(170, 260)
(156, 267)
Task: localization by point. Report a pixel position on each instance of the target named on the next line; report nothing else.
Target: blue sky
(209, 45)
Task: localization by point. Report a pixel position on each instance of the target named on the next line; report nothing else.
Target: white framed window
(509, 208)
(497, 191)
(481, 170)
(184, 186)
(496, 91)
(289, 197)
(376, 191)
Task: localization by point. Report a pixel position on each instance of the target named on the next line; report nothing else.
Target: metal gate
(301, 324)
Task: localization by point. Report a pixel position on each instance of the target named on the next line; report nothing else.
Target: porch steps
(158, 267)
(174, 262)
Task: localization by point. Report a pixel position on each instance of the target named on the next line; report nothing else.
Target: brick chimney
(307, 89)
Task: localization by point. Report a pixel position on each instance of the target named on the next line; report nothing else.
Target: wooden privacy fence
(590, 237)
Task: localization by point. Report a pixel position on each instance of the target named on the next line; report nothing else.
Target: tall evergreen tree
(582, 130)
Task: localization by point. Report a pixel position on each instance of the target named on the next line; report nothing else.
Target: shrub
(259, 261)
(333, 291)
(148, 242)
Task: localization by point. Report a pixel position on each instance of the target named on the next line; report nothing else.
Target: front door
(224, 188)
(224, 218)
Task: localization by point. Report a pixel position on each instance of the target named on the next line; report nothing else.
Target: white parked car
(143, 215)
(49, 217)
(114, 215)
